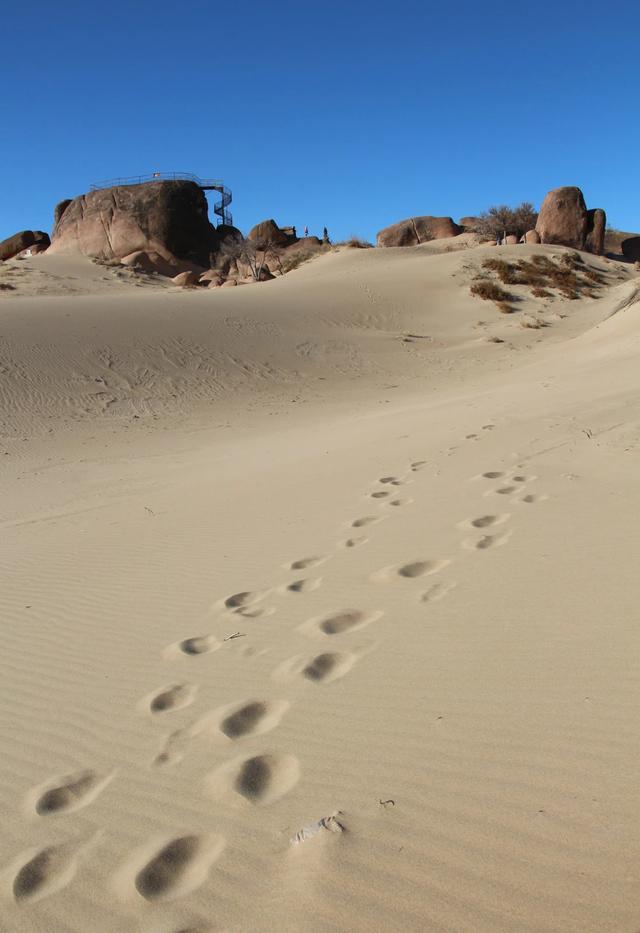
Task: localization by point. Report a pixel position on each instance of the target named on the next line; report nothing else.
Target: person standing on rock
(306, 231)
(325, 235)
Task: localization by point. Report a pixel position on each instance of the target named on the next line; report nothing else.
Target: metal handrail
(211, 184)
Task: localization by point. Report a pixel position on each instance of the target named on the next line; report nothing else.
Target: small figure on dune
(325, 235)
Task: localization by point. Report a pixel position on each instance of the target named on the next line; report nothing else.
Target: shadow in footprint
(172, 698)
(178, 868)
(69, 793)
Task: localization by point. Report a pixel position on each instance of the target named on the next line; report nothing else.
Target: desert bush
(504, 307)
(296, 258)
(539, 292)
(355, 242)
(502, 219)
(489, 291)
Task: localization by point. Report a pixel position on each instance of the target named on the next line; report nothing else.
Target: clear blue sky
(352, 114)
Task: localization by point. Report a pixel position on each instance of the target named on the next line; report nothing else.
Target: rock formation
(417, 230)
(268, 231)
(564, 220)
(597, 223)
(532, 236)
(26, 239)
(169, 218)
(631, 248)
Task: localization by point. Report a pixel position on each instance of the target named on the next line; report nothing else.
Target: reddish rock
(469, 223)
(267, 231)
(210, 276)
(631, 248)
(563, 218)
(511, 240)
(597, 224)
(186, 279)
(417, 230)
(532, 236)
(165, 217)
(14, 245)
(151, 262)
(59, 210)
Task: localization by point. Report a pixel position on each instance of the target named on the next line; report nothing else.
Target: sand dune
(320, 547)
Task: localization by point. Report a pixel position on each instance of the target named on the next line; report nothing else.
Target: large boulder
(565, 221)
(631, 248)
(415, 230)
(169, 218)
(15, 244)
(597, 222)
(532, 236)
(267, 231)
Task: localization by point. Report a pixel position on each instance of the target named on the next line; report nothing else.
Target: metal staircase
(207, 184)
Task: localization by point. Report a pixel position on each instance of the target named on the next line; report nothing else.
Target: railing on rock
(207, 184)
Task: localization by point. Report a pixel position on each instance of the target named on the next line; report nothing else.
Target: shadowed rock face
(417, 230)
(166, 217)
(24, 240)
(564, 220)
(631, 248)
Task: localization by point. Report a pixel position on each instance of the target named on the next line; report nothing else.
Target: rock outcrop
(597, 229)
(415, 230)
(532, 236)
(268, 231)
(169, 218)
(631, 248)
(565, 221)
(16, 244)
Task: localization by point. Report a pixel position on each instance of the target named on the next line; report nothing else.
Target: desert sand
(349, 543)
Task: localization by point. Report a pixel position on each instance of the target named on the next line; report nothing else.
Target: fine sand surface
(319, 547)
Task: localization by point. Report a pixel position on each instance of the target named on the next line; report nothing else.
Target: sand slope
(424, 544)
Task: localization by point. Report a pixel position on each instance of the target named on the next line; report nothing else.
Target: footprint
(485, 521)
(175, 868)
(530, 497)
(256, 613)
(437, 592)
(367, 520)
(522, 479)
(486, 541)
(418, 465)
(420, 568)
(173, 751)
(306, 562)
(262, 779)
(400, 502)
(388, 479)
(242, 600)
(380, 495)
(235, 721)
(329, 666)
(505, 490)
(67, 794)
(44, 872)
(171, 698)
(304, 586)
(492, 474)
(197, 644)
(347, 620)
(355, 542)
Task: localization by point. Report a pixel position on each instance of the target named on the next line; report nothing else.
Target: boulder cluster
(563, 220)
(163, 227)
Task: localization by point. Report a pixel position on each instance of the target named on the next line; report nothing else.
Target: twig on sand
(235, 635)
(387, 803)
